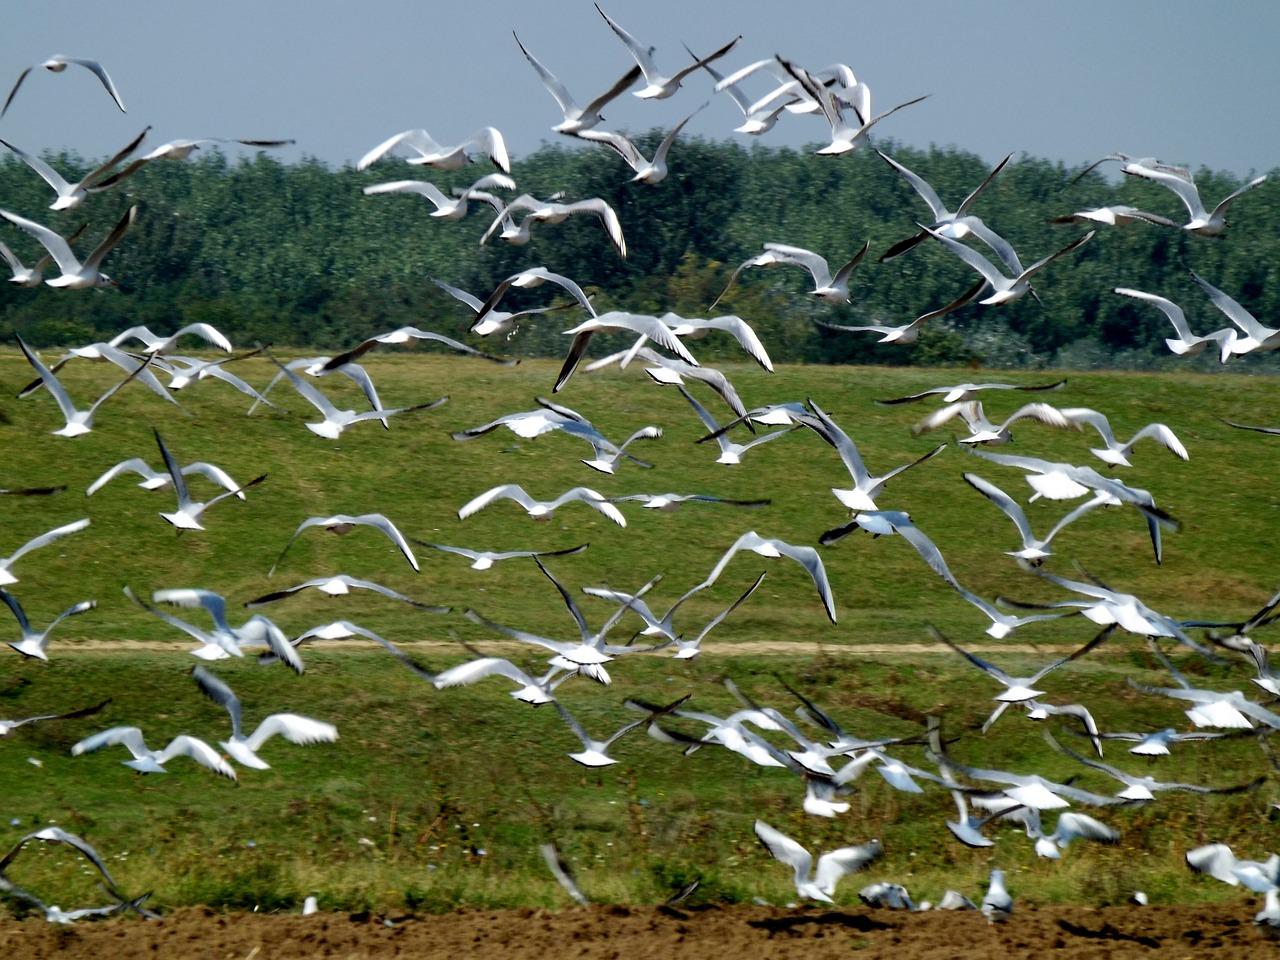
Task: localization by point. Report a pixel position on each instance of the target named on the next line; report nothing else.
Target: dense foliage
(296, 254)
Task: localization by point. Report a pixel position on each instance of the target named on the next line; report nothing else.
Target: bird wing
(295, 729)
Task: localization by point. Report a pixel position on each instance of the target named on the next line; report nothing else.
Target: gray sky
(1190, 83)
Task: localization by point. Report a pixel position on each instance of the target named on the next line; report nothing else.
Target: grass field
(432, 799)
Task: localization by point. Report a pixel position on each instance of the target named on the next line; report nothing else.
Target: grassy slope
(468, 769)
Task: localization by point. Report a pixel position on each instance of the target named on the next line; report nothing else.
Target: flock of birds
(824, 759)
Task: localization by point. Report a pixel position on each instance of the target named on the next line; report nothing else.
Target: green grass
(431, 778)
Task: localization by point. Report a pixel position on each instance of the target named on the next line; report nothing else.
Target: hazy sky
(1188, 82)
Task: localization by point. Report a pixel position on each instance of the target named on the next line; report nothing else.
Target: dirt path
(659, 933)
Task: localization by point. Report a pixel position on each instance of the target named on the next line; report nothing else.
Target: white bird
(185, 371)
(34, 642)
(595, 753)
(906, 332)
(1218, 861)
(32, 276)
(1139, 789)
(1156, 744)
(997, 904)
(335, 421)
(658, 85)
(560, 870)
(833, 290)
(71, 195)
(1003, 289)
(577, 119)
(617, 321)
(756, 119)
(533, 690)
(57, 64)
(1128, 161)
(488, 140)
(484, 559)
(342, 524)
(340, 585)
(1115, 215)
(542, 509)
(244, 749)
(1201, 221)
(181, 150)
(968, 391)
(6, 563)
(983, 431)
(670, 502)
(669, 371)
(1116, 453)
(730, 452)
(807, 557)
(78, 422)
(447, 208)
(1034, 549)
(819, 884)
(8, 725)
(1032, 790)
(223, 640)
(957, 223)
(154, 343)
(1269, 915)
(490, 320)
(865, 487)
(845, 136)
(1254, 337)
(187, 516)
(75, 275)
(646, 171)
(146, 760)
(1186, 343)
(553, 211)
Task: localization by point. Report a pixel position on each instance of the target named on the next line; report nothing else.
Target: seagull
(34, 643)
(493, 321)
(6, 563)
(1135, 162)
(181, 150)
(75, 275)
(146, 760)
(1156, 744)
(997, 904)
(865, 487)
(71, 195)
(542, 509)
(335, 421)
(340, 585)
(1218, 861)
(1186, 343)
(833, 290)
(559, 869)
(553, 211)
(659, 86)
(1255, 337)
(595, 753)
(488, 140)
(844, 135)
(342, 524)
(983, 431)
(78, 422)
(8, 725)
(1139, 789)
(646, 171)
(669, 371)
(968, 391)
(817, 884)
(489, 320)
(1201, 221)
(1018, 689)
(670, 502)
(484, 559)
(756, 119)
(892, 896)
(730, 452)
(244, 749)
(957, 223)
(577, 119)
(33, 275)
(1003, 289)
(1032, 790)
(187, 516)
(223, 640)
(59, 63)
(447, 208)
(1034, 549)
(617, 321)
(1116, 453)
(1116, 215)
(907, 332)
(807, 557)
(533, 690)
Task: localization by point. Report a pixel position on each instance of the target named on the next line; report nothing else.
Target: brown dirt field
(660, 933)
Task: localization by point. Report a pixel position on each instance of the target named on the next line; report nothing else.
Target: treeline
(297, 255)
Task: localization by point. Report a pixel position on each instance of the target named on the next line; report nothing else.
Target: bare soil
(658, 933)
